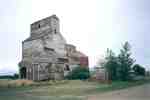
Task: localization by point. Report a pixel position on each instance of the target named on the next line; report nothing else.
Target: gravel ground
(134, 93)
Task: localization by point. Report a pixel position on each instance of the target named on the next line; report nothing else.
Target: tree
(16, 76)
(139, 70)
(110, 64)
(125, 62)
(81, 73)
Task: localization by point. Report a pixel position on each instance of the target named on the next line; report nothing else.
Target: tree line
(121, 66)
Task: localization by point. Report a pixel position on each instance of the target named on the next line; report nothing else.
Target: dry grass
(15, 83)
(56, 90)
(50, 90)
(69, 88)
(22, 82)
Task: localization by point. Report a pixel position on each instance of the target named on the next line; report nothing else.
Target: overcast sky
(91, 25)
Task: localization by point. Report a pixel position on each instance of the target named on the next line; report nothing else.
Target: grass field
(65, 90)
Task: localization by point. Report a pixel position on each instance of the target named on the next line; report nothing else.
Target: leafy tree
(81, 73)
(111, 64)
(125, 62)
(139, 70)
(16, 76)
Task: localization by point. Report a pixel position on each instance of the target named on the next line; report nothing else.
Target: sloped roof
(35, 37)
(78, 54)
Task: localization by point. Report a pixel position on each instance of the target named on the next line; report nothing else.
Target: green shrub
(81, 73)
(139, 70)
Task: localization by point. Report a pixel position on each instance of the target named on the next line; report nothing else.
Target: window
(55, 31)
(67, 68)
(48, 49)
(39, 26)
(62, 60)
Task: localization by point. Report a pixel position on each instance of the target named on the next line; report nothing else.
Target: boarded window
(48, 49)
(39, 26)
(67, 68)
(62, 60)
(55, 31)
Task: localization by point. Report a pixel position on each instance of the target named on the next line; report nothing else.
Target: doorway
(23, 73)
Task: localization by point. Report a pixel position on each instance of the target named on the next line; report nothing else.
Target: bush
(15, 76)
(139, 70)
(81, 73)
